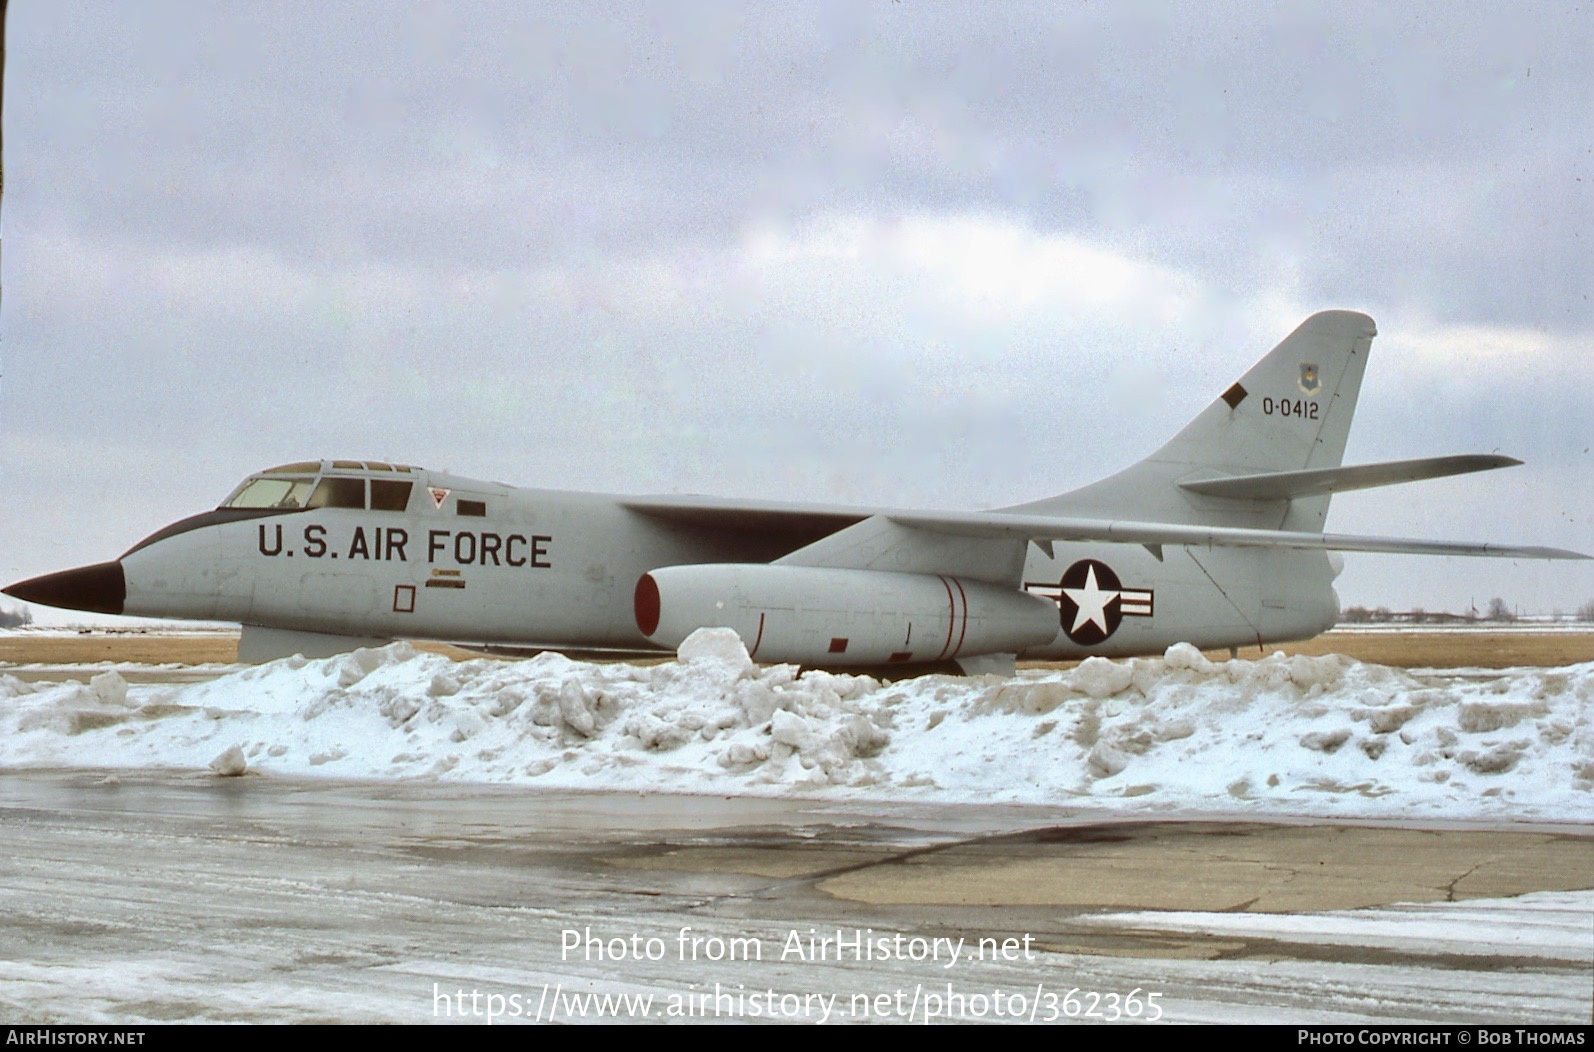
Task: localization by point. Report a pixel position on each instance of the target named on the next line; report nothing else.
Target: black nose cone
(100, 589)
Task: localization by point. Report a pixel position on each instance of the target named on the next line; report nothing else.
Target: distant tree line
(1499, 611)
(15, 617)
(1381, 615)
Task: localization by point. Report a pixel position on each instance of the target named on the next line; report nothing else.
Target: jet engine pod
(817, 616)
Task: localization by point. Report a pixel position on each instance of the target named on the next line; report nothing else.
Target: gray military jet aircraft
(1215, 539)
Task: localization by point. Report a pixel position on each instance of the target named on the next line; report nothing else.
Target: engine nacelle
(812, 615)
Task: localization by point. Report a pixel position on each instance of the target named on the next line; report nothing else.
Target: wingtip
(1559, 553)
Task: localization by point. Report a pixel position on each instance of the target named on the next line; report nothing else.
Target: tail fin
(1290, 412)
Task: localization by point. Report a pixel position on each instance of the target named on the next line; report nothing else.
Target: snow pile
(1277, 735)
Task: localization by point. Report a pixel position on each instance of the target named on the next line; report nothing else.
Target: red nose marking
(647, 604)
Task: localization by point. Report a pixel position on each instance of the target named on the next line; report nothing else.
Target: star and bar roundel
(1092, 602)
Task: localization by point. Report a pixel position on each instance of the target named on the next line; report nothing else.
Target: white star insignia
(1092, 602)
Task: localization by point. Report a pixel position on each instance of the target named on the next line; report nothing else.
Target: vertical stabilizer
(1290, 412)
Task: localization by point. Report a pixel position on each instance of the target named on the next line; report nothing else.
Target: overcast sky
(905, 253)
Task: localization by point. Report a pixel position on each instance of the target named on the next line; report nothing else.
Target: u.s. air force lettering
(392, 544)
(1092, 602)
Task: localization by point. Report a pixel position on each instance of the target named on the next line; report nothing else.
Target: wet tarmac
(163, 896)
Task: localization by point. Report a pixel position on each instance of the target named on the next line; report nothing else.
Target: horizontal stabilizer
(1045, 528)
(1288, 485)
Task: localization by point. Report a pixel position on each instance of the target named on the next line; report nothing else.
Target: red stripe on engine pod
(646, 601)
(951, 616)
(754, 652)
(964, 631)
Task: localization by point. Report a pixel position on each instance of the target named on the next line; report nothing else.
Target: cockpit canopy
(364, 484)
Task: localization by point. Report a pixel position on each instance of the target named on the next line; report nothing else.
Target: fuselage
(360, 549)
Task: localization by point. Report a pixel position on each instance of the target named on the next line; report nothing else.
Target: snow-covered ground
(1322, 736)
(1178, 735)
(1549, 925)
